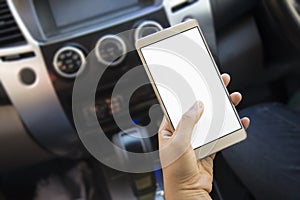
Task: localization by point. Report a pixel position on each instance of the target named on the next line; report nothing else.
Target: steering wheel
(287, 14)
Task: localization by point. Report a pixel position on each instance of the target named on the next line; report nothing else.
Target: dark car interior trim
(255, 41)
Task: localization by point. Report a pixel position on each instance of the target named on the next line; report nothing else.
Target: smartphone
(182, 71)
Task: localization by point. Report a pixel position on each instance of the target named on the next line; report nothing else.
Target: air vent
(183, 5)
(10, 34)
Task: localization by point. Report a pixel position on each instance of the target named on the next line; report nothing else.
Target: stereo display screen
(61, 16)
(66, 12)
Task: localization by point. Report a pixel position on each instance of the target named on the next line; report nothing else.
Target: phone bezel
(218, 144)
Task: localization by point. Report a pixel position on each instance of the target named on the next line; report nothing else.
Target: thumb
(188, 121)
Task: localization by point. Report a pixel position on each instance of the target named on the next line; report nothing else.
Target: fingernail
(201, 105)
(197, 106)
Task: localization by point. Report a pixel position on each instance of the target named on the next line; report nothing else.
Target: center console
(47, 45)
(60, 35)
(65, 59)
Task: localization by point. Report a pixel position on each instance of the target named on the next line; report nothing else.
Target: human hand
(186, 178)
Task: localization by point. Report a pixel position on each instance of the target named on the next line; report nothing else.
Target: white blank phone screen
(184, 72)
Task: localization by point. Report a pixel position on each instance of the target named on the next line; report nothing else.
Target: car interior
(44, 45)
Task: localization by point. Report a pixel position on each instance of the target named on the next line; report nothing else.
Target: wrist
(195, 194)
(194, 188)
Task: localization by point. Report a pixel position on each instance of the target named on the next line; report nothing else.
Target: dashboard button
(69, 61)
(111, 50)
(27, 76)
(147, 28)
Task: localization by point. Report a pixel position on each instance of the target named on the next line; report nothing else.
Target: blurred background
(43, 47)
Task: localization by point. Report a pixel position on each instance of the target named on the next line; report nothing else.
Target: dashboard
(44, 45)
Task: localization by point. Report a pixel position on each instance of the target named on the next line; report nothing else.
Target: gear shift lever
(137, 140)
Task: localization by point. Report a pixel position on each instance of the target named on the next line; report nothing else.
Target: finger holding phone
(187, 177)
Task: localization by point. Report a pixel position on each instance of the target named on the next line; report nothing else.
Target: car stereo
(59, 16)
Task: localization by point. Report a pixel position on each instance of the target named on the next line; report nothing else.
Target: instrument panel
(37, 74)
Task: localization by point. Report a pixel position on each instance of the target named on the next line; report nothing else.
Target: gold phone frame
(218, 144)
